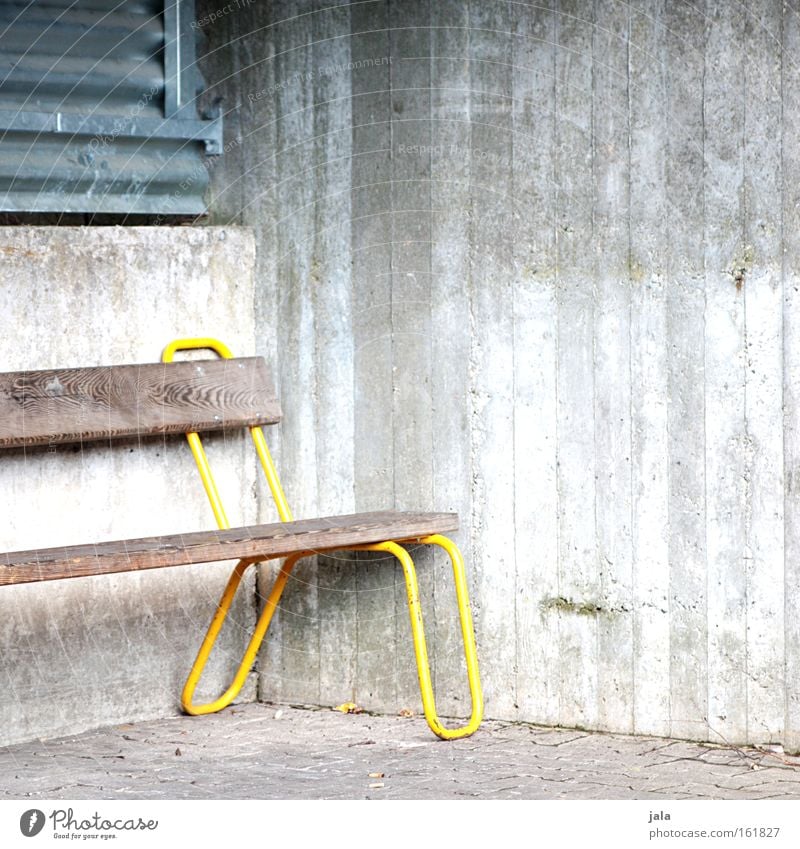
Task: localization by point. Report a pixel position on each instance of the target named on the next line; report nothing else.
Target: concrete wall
(116, 648)
(536, 264)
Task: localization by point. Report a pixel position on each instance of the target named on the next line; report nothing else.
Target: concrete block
(96, 651)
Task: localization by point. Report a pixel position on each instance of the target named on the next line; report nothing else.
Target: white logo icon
(31, 822)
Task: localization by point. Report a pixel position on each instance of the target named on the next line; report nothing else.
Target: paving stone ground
(260, 751)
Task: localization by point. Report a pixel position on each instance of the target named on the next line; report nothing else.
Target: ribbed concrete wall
(89, 652)
(535, 263)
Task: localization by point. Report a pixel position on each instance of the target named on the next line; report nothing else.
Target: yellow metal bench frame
(271, 604)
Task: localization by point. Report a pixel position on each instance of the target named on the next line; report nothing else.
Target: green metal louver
(98, 108)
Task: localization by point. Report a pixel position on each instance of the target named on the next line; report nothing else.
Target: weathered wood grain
(51, 407)
(254, 541)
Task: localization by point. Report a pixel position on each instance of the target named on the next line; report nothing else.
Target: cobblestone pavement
(259, 751)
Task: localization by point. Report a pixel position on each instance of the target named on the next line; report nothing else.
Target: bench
(50, 407)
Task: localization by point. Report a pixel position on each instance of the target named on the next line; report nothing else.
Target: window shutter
(98, 108)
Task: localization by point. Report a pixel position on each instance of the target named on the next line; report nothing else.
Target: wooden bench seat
(44, 408)
(254, 542)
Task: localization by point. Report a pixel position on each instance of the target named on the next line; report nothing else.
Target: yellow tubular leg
(271, 473)
(467, 630)
(418, 632)
(285, 514)
(209, 485)
(253, 646)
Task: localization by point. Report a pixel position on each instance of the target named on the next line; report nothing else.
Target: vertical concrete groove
(433, 613)
(782, 279)
(392, 242)
(784, 400)
(319, 177)
(748, 468)
(595, 708)
(669, 266)
(629, 284)
(791, 372)
(512, 203)
(706, 717)
(557, 282)
(705, 443)
(475, 529)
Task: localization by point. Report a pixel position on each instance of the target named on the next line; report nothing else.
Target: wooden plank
(649, 369)
(278, 539)
(535, 365)
(612, 353)
(578, 578)
(50, 407)
(790, 144)
(686, 416)
(763, 306)
(727, 258)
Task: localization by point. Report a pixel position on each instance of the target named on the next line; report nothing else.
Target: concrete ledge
(92, 651)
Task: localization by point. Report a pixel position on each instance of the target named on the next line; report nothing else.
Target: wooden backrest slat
(110, 402)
